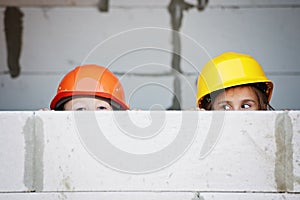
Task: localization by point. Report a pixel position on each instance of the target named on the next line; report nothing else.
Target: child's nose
(237, 107)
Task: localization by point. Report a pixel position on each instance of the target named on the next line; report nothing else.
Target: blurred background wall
(40, 41)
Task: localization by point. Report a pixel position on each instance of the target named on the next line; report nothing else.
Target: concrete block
(19, 89)
(16, 148)
(197, 25)
(73, 3)
(285, 90)
(148, 196)
(243, 154)
(91, 151)
(138, 87)
(150, 151)
(99, 195)
(293, 119)
(248, 196)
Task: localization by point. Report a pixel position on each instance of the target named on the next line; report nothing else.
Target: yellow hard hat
(230, 69)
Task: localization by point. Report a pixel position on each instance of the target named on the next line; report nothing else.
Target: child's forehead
(238, 91)
(87, 98)
(88, 101)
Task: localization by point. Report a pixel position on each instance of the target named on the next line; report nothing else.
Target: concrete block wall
(58, 35)
(150, 154)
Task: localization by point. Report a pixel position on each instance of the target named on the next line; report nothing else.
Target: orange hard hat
(90, 80)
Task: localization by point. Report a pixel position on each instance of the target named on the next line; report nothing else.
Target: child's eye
(226, 107)
(101, 108)
(80, 109)
(246, 106)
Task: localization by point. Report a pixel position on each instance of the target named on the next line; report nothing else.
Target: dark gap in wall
(103, 5)
(13, 24)
(176, 8)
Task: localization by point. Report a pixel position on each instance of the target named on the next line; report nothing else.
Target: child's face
(237, 98)
(86, 103)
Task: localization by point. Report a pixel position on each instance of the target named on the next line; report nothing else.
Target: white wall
(131, 155)
(56, 39)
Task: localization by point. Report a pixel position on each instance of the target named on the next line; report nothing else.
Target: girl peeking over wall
(233, 81)
(89, 87)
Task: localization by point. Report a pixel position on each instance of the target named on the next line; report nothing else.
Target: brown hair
(258, 89)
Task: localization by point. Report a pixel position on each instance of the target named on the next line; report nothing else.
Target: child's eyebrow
(222, 102)
(251, 100)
